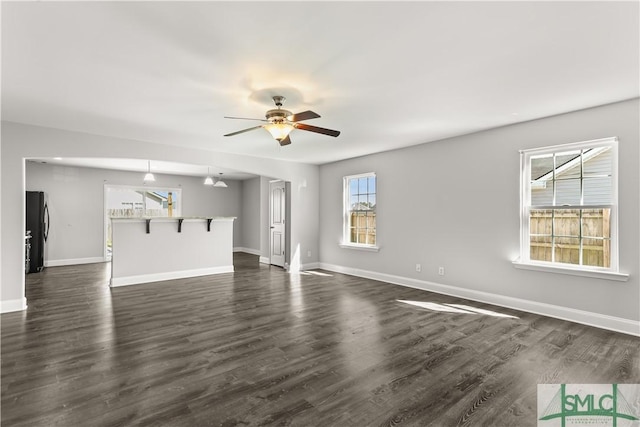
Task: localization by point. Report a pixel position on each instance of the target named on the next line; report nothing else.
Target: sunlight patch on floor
(314, 273)
(455, 308)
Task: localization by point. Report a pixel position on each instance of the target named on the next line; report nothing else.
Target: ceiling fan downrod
(279, 100)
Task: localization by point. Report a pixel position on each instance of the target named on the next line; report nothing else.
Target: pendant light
(149, 176)
(220, 183)
(208, 180)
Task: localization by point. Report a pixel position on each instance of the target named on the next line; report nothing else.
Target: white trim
(310, 266)
(593, 143)
(73, 261)
(247, 250)
(369, 248)
(562, 269)
(597, 320)
(265, 260)
(12, 305)
(159, 277)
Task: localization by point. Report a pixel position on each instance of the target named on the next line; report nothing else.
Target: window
(134, 202)
(123, 201)
(569, 206)
(360, 211)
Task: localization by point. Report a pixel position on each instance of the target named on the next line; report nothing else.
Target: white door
(277, 206)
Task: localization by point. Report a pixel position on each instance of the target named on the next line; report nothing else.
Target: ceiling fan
(280, 122)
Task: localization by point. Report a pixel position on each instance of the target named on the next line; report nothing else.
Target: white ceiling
(386, 74)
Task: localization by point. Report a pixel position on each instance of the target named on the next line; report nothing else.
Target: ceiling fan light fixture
(148, 177)
(279, 131)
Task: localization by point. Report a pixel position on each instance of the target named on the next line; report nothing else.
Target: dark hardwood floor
(263, 347)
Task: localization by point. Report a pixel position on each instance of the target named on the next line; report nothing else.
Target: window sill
(598, 274)
(366, 248)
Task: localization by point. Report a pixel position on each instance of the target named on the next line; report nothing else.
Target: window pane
(566, 222)
(597, 191)
(540, 166)
(540, 248)
(362, 185)
(353, 186)
(596, 223)
(598, 162)
(371, 184)
(568, 192)
(567, 250)
(596, 252)
(371, 238)
(568, 164)
(540, 221)
(542, 193)
(353, 202)
(372, 201)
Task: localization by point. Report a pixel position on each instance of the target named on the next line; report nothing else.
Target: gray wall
(76, 204)
(455, 203)
(251, 215)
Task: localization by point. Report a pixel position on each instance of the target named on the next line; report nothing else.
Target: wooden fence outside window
(560, 230)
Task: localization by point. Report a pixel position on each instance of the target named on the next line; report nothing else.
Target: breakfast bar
(157, 249)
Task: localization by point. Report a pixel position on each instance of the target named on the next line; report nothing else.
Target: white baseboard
(265, 260)
(72, 261)
(597, 320)
(159, 277)
(13, 305)
(247, 250)
(310, 266)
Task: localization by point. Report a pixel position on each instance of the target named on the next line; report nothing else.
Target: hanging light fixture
(208, 180)
(220, 183)
(149, 176)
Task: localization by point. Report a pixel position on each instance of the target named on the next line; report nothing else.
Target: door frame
(287, 221)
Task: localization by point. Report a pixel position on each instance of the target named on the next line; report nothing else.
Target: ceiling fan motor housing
(278, 115)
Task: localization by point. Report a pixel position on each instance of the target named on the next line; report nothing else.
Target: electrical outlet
(418, 267)
(441, 271)
(309, 254)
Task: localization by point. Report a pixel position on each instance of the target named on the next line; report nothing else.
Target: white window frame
(612, 272)
(346, 243)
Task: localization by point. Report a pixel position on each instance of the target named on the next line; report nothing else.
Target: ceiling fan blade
(285, 141)
(243, 130)
(316, 129)
(245, 118)
(305, 115)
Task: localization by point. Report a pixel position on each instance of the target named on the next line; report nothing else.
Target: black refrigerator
(37, 225)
